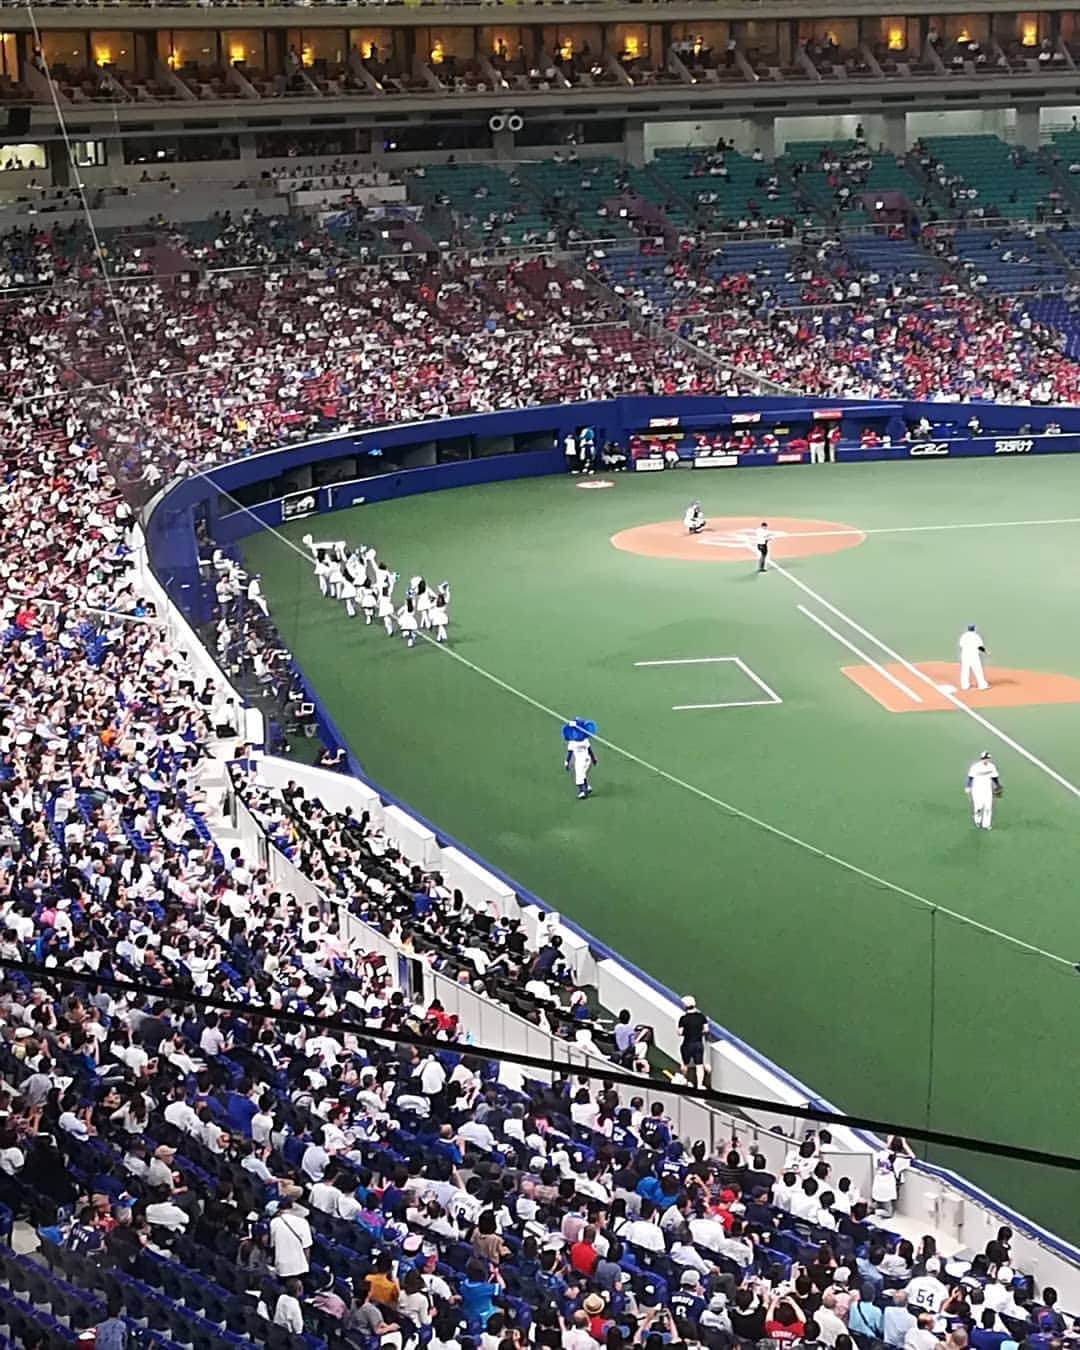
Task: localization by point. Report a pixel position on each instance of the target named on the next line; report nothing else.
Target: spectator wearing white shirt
(476, 1134)
(644, 1231)
(290, 1241)
(315, 1159)
(288, 1312)
(922, 1335)
(707, 1232)
(829, 1321)
(213, 1042)
(432, 1078)
(180, 1114)
(163, 1212)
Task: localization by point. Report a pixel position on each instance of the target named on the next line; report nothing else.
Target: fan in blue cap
(579, 752)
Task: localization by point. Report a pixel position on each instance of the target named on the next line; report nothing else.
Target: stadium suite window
(455, 451)
(65, 52)
(22, 155)
(9, 56)
(89, 154)
(335, 471)
(483, 446)
(113, 50)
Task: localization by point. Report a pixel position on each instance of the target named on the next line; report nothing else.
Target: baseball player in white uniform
(972, 648)
(983, 785)
(694, 518)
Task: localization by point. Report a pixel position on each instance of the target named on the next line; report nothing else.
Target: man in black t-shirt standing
(692, 1026)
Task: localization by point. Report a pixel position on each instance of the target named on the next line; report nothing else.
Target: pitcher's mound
(731, 539)
(1008, 688)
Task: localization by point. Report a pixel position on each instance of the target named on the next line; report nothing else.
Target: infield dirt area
(730, 539)
(1008, 688)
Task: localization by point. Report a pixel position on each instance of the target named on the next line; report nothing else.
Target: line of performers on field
(365, 585)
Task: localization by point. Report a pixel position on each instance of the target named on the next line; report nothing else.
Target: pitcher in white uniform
(972, 648)
(983, 784)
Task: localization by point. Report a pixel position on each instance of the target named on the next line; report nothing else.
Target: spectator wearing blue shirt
(1050, 1320)
(549, 1281)
(478, 1291)
(670, 1190)
(86, 1237)
(624, 1034)
(655, 1130)
(869, 1268)
(688, 1301)
(112, 1333)
(649, 1189)
(985, 1337)
(622, 1136)
(897, 1321)
(864, 1315)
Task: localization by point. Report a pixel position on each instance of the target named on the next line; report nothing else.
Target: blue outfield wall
(170, 528)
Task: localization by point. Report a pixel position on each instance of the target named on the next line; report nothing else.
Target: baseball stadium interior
(346, 999)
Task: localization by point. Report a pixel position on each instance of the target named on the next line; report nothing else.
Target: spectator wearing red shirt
(583, 1255)
(593, 1307)
(785, 1321)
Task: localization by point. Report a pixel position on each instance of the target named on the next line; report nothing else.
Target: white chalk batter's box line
(771, 696)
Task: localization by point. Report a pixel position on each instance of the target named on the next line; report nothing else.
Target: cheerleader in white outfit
(423, 601)
(369, 601)
(386, 611)
(406, 617)
(347, 592)
(335, 578)
(438, 615)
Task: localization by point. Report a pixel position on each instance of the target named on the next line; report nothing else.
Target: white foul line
(688, 661)
(734, 540)
(938, 689)
(757, 680)
(752, 820)
(743, 703)
(869, 660)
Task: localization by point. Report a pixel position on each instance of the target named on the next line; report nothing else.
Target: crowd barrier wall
(933, 1195)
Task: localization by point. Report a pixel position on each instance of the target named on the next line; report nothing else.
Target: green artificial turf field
(870, 995)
